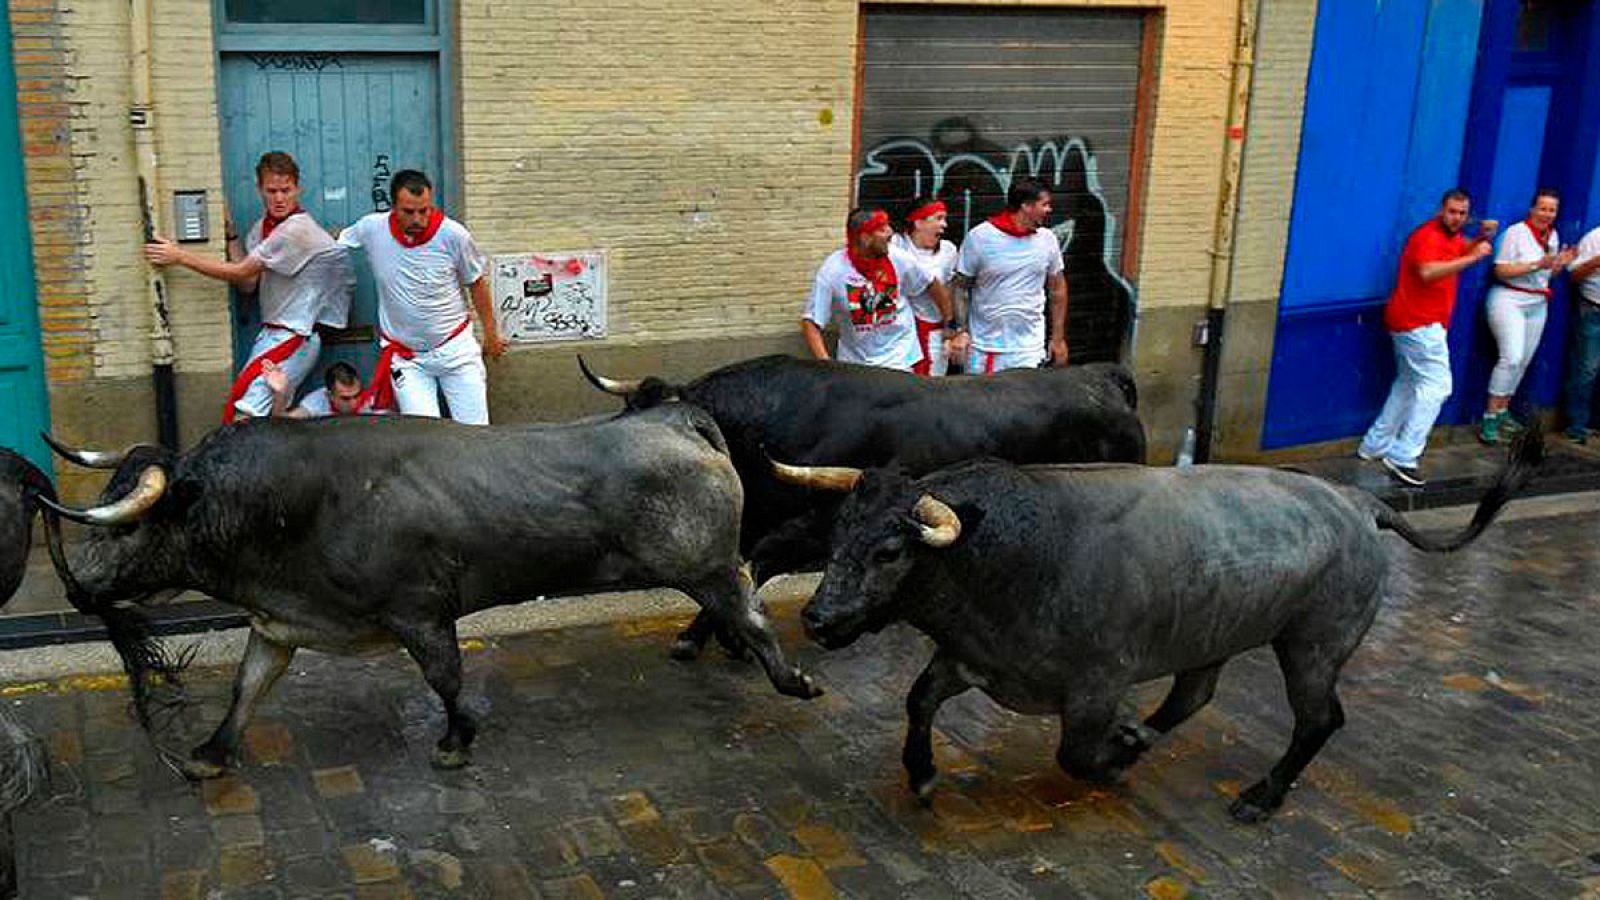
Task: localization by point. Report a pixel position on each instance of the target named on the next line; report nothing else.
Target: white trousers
(982, 362)
(257, 399)
(1421, 385)
(456, 368)
(1517, 320)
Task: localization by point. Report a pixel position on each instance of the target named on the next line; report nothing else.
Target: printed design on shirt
(870, 308)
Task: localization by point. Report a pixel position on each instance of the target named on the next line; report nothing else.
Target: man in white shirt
(299, 275)
(864, 284)
(1584, 271)
(1009, 263)
(421, 260)
(340, 395)
(921, 236)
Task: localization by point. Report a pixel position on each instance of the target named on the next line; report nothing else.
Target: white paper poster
(550, 296)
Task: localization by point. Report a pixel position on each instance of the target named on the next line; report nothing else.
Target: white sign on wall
(550, 296)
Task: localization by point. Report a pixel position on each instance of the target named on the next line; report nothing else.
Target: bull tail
(1524, 459)
(145, 659)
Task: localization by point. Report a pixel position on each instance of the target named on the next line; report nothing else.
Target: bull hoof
(799, 684)
(1255, 805)
(450, 759)
(685, 649)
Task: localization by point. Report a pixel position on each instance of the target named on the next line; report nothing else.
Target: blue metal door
(24, 409)
(351, 120)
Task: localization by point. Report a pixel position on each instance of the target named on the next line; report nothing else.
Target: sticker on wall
(550, 296)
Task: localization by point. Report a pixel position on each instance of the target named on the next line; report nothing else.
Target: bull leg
(1310, 676)
(940, 680)
(264, 660)
(1092, 748)
(433, 646)
(732, 605)
(791, 546)
(1191, 690)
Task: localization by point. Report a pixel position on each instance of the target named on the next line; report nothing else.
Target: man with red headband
(865, 284)
(921, 236)
(421, 260)
(1009, 263)
(301, 277)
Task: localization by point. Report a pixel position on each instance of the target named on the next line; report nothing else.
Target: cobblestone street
(1468, 767)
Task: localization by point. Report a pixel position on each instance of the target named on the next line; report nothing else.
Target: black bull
(353, 535)
(21, 486)
(1055, 589)
(815, 412)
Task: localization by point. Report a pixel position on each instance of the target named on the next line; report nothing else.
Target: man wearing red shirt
(1417, 315)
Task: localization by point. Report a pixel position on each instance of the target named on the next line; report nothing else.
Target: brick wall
(706, 145)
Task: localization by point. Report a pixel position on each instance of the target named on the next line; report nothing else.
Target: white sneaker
(1369, 457)
(1408, 474)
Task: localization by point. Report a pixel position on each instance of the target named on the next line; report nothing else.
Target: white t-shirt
(1006, 307)
(940, 262)
(875, 328)
(1520, 246)
(1588, 249)
(307, 278)
(318, 405)
(420, 297)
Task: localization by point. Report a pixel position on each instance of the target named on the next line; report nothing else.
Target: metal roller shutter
(959, 100)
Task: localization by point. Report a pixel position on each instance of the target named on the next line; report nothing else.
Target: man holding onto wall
(1417, 315)
(299, 275)
(1010, 263)
(1585, 273)
(421, 260)
(865, 284)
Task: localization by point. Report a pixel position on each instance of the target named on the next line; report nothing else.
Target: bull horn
(614, 386)
(89, 459)
(822, 478)
(939, 524)
(131, 508)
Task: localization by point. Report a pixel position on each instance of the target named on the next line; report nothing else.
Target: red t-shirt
(1415, 302)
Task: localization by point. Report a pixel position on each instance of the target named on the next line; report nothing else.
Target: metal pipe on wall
(141, 115)
(1244, 60)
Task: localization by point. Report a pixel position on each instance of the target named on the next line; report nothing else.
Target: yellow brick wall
(707, 146)
(182, 59)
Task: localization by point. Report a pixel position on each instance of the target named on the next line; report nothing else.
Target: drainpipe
(141, 115)
(1244, 60)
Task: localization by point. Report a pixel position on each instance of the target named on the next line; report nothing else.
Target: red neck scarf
(1007, 223)
(435, 219)
(879, 271)
(1543, 237)
(268, 222)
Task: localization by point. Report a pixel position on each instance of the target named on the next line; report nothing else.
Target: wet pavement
(1469, 766)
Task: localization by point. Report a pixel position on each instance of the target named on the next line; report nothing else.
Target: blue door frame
(24, 402)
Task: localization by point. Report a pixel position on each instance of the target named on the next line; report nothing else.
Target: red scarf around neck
(879, 271)
(435, 219)
(1543, 237)
(268, 222)
(1007, 223)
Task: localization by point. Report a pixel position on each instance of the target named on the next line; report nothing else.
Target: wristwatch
(952, 325)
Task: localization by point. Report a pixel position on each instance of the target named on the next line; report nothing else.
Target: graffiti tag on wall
(380, 183)
(296, 62)
(971, 174)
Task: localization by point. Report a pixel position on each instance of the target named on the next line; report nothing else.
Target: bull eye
(888, 553)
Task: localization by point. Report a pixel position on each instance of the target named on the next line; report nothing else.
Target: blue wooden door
(351, 120)
(24, 410)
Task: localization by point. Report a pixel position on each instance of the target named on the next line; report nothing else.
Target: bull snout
(827, 628)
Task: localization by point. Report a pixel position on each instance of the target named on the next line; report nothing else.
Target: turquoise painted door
(24, 409)
(351, 120)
